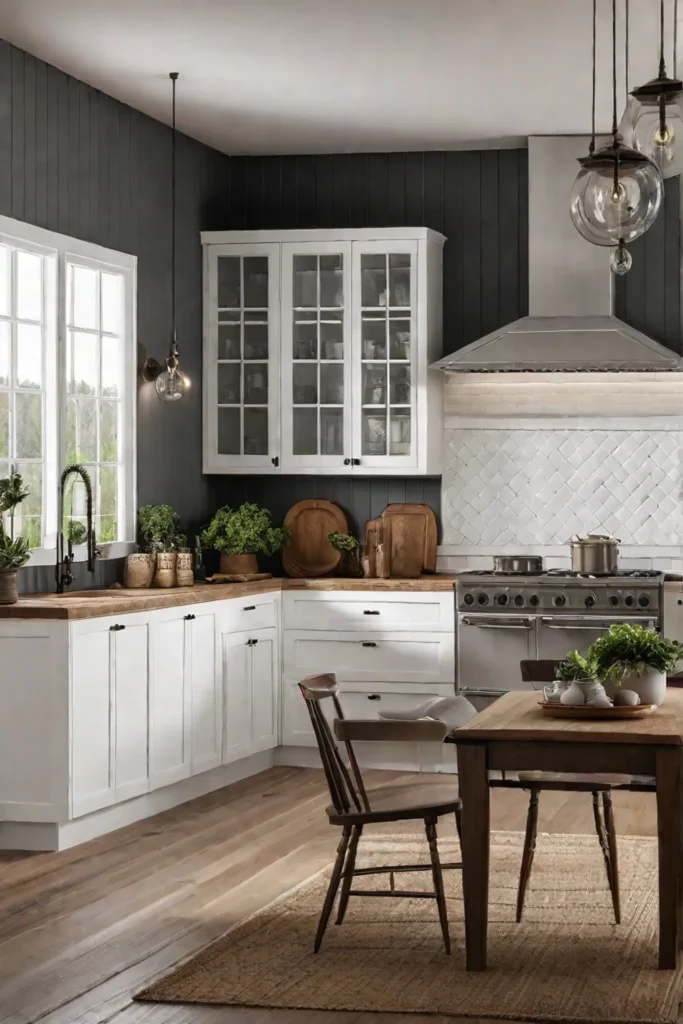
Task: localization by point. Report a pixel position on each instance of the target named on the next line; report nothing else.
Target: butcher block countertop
(92, 604)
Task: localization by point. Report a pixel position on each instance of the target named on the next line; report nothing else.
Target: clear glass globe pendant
(653, 123)
(171, 384)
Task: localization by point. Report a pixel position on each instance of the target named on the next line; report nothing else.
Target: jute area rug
(566, 961)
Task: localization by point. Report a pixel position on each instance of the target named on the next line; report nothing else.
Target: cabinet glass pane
(229, 383)
(255, 282)
(255, 431)
(229, 274)
(332, 384)
(305, 337)
(399, 279)
(305, 284)
(332, 431)
(374, 384)
(305, 425)
(229, 431)
(255, 337)
(229, 341)
(374, 431)
(399, 431)
(399, 339)
(256, 383)
(331, 282)
(305, 384)
(374, 337)
(373, 278)
(399, 385)
(331, 335)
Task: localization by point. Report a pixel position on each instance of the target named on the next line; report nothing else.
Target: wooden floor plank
(82, 931)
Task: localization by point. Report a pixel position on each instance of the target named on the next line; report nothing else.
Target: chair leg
(458, 824)
(529, 849)
(347, 875)
(430, 829)
(602, 836)
(332, 887)
(612, 848)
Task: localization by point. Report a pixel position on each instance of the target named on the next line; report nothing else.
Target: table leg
(669, 829)
(474, 792)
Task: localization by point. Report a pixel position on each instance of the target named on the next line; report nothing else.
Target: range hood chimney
(570, 326)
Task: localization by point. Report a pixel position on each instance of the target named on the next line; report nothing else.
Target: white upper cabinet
(317, 346)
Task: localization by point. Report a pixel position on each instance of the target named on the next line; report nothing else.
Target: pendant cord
(662, 64)
(174, 78)
(591, 148)
(627, 20)
(675, 54)
(614, 70)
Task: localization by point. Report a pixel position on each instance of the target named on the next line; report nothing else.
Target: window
(67, 384)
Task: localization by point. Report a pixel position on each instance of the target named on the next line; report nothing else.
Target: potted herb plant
(637, 659)
(350, 553)
(14, 552)
(159, 537)
(578, 672)
(238, 535)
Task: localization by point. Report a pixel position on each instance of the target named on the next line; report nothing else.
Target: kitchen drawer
(358, 700)
(247, 613)
(366, 657)
(344, 610)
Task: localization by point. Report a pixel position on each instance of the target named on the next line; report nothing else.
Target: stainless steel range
(502, 618)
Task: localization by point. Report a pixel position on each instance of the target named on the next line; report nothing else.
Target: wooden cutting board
(373, 529)
(411, 539)
(309, 552)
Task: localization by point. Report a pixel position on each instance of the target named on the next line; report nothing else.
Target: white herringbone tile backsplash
(529, 487)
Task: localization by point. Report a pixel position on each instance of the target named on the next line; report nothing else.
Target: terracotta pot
(139, 571)
(232, 565)
(184, 569)
(8, 586)
(166, 575)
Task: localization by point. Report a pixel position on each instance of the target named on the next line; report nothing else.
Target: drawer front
(370, 611)
(247, 613)
(366, 657)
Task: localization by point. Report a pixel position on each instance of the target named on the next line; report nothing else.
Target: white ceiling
(305, 76)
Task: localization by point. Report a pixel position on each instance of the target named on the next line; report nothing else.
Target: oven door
(488, 652)
(558, 634)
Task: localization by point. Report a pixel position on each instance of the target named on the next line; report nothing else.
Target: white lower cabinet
(251, 679)
(206, 689)
(109, 719)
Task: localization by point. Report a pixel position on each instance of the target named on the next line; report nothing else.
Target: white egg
(626, 699)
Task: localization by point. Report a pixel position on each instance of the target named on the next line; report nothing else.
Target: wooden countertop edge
(578, 736)
(68, 608)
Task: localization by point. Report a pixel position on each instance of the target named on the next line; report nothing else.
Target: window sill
(48, 556)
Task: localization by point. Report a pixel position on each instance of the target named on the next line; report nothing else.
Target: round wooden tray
(554, 710)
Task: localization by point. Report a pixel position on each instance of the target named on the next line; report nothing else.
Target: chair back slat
(343, 792)
(538, 671)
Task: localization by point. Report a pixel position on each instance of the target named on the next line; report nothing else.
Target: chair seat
(572, 781)
(396, 803)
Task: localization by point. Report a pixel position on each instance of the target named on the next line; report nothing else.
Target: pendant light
(618, 191)
(653, 120)
(171, 383)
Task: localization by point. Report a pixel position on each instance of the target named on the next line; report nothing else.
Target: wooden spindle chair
(353, 806)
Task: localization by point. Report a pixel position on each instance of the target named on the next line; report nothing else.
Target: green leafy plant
(76, 532)
(246, 530)
(625, 648)
(343, 541)
(576, 667)
(158, 528)
(13, 553)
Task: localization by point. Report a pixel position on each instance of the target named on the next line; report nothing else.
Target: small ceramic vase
(8, 586)
(166, 575)
(573, 695)
(139, 570)
(184, 568)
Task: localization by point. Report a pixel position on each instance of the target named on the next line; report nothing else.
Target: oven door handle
(500, 624)
(599, 626)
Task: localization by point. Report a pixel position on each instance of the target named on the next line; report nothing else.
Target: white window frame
(59, 250)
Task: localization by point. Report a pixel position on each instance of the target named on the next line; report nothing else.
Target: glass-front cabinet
(317, 348)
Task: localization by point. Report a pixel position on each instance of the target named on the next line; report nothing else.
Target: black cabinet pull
(251, 643)
(366, 611)
(374, 696)
(249, 608)
(369, 643)
(355, 462)
(347, 462)
(275, 460)
(254, 642)
(189, 617)
(116, 627)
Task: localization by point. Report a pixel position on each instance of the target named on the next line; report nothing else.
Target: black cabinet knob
(275, 460)
(355, 462)
(347, 462)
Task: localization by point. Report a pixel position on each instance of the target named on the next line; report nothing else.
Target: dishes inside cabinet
(412, 539)
(309, 553)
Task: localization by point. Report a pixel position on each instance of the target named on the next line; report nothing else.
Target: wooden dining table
(514, 734)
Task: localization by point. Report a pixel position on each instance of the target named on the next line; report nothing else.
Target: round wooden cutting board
(309, 552)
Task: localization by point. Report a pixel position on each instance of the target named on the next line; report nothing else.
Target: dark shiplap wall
(76, 161)
(477, 199)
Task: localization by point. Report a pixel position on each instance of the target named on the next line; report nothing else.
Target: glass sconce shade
(609, 210)
(652, 123)
(620, 260)
(171, 384)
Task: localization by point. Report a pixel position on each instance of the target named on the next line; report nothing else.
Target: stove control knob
(629, 600)
(643, 600)
(468, 599)
(590, 600)
(519, 600)
(483, 599)
(614, 600)
(534, 600)
(559, 601)
(501, 599)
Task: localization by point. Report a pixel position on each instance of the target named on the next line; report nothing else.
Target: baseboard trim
(308, 757)
(44, 836)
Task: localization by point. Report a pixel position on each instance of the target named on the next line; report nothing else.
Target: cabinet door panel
(169, 708)
(131, 717)
(236, 656)
(402, 657)
(206, 695)
(92, 764)
(264, 690)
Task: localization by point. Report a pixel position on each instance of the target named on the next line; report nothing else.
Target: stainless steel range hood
(571, 327)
